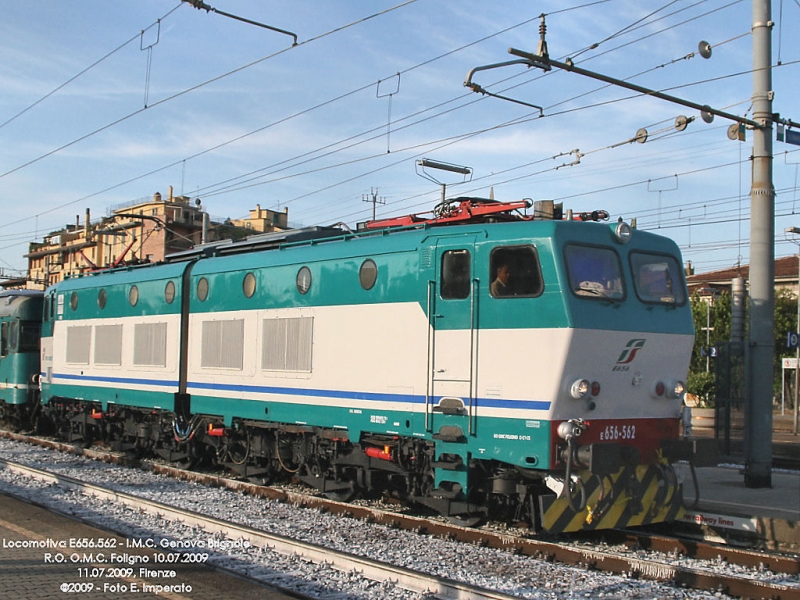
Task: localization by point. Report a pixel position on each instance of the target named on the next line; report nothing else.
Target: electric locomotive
(20, 319)
(477, 361)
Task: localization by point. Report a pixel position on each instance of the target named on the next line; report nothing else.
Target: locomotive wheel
(184, 461)
(465, 520)
(237, 447)
(344, 495)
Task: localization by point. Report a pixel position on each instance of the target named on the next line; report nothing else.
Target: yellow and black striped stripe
(632, 496)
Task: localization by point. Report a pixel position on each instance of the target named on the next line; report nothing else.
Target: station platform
(45, 555)
(719, 503)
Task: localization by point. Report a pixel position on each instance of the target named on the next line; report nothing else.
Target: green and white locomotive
(478, 361)
(20, 319)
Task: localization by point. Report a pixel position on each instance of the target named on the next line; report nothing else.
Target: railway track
(371, 569)
(702, 578)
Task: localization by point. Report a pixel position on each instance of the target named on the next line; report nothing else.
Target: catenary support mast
(760, 350)
(761, 343)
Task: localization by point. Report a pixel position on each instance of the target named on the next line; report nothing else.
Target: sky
(103, 104)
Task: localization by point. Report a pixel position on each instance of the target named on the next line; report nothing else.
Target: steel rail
(702, 579)
(377, 571)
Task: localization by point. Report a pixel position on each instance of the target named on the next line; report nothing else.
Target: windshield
(594, 272)
(657, 278)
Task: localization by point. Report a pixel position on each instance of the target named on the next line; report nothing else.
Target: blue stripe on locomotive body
(369, 355)
(20, 315)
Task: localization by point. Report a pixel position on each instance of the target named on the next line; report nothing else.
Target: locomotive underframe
(20, 416)
(597, 480)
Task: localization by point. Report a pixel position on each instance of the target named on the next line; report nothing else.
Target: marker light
(658, 389)
(580, 388)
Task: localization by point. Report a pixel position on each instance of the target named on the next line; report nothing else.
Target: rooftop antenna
(427, 163)
(373, 197)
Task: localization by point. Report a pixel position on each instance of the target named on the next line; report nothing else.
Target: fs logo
(629, 353)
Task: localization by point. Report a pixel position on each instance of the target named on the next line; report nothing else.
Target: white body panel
(369, 356)
(56, 369)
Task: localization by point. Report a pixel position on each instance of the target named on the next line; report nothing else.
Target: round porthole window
(73, 301)
(202, 289)
(303, 280)
(101, 298)
(249, 285)
(133, 295)
(368, 274)
(169, 292)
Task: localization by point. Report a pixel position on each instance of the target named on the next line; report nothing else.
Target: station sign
(790, 136)
(792, 339)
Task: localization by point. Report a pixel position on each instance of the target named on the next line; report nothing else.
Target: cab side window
(514, 272)
(4, 339)
(455, 274)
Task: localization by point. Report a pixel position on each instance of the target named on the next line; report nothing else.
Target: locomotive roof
(306, 243)
(20, 303)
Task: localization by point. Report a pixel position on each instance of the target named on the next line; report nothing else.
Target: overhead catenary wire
(346, 162)
(82, 72)
(312, 39)
(325, 103)
(255, 62)
(602, 87)
(198, 86)
(215, 190)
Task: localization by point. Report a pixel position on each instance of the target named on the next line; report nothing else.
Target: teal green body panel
(407, 260)
(16, 377)
(150, 280)
(115, 393)
(334, 267)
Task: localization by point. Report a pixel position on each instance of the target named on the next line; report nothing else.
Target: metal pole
(708, 335)
(797, 365)
(761, 343)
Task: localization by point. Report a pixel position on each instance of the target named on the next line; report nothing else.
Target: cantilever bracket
(480, 90)
(547, 63)
(200, 5)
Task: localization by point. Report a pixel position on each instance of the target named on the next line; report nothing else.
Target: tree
(785, 321)
(716, 311)
(712, 311)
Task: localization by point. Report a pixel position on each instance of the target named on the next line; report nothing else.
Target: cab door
(453, 328)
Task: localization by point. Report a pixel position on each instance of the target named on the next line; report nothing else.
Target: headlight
(676, 389)
(580, 389)
(623, 232)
